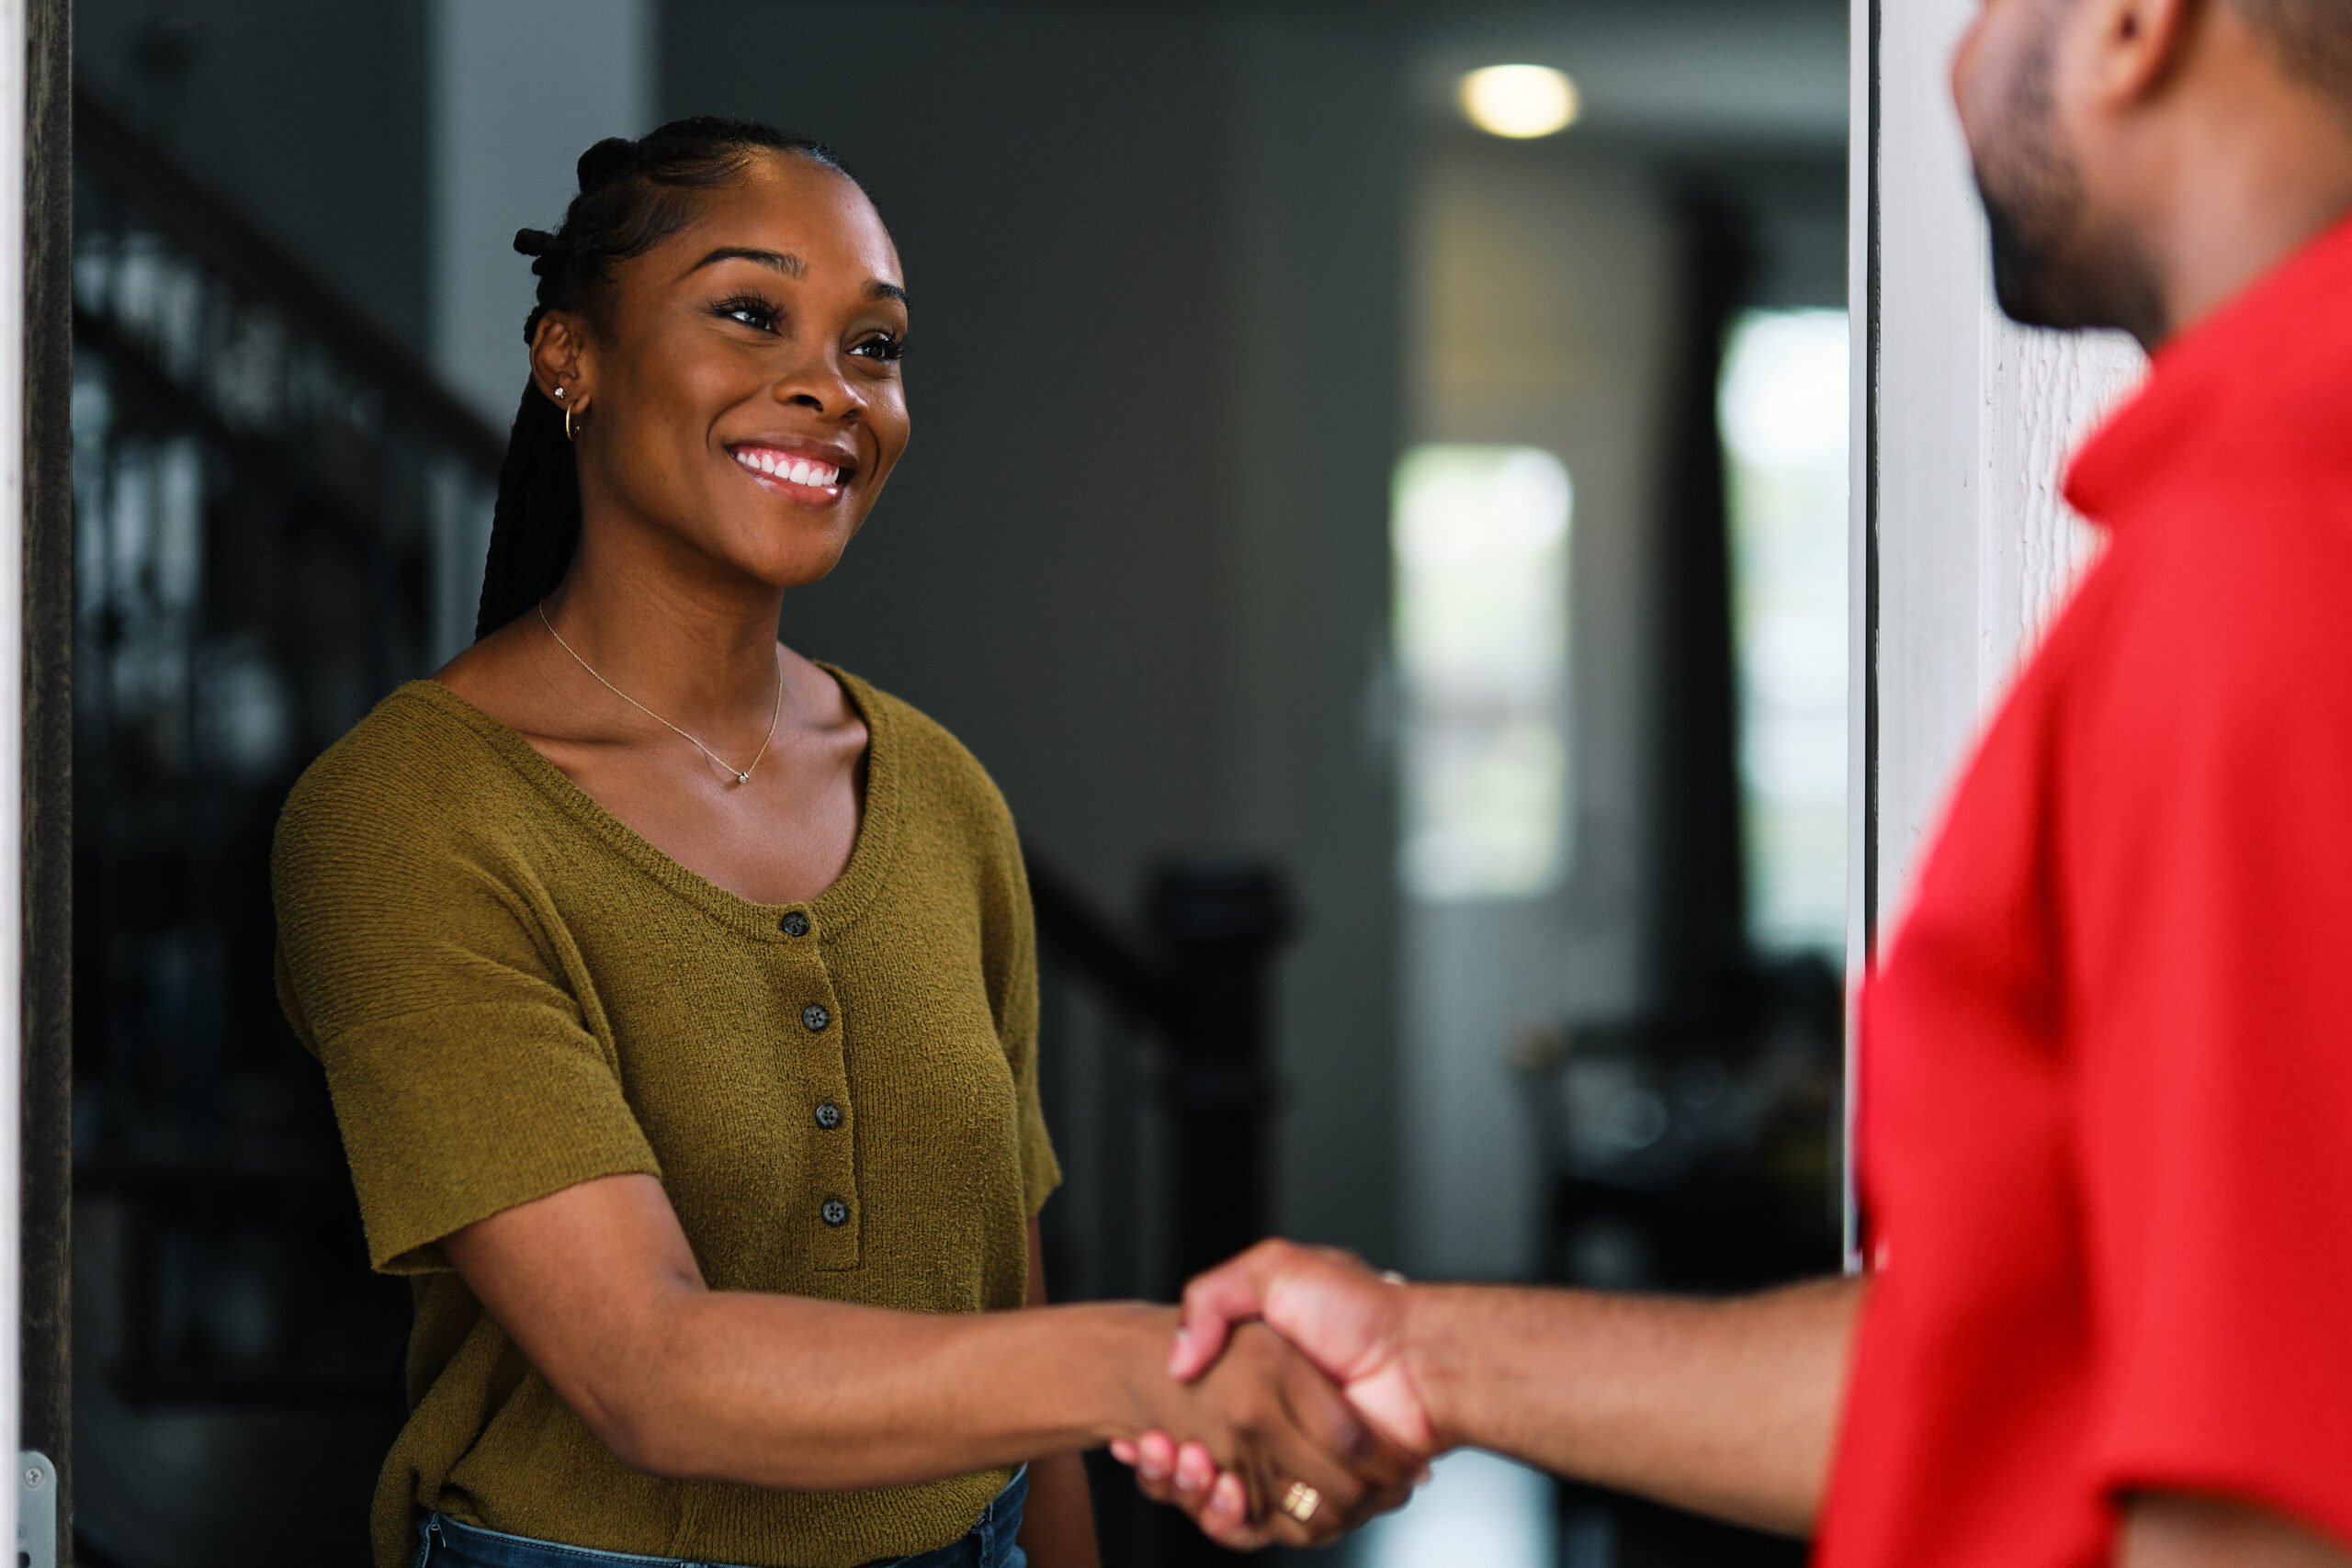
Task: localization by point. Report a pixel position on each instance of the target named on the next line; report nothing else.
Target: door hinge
(36, 1511)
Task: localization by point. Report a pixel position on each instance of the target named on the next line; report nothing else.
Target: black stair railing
(1156, 1056)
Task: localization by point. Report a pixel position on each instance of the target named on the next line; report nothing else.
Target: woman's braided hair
(633, 195)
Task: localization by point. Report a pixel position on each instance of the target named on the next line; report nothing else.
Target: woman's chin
(790, 564)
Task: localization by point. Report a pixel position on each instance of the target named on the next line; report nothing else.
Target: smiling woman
(678, 995)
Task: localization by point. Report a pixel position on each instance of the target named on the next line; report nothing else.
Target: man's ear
(2130, 50)
(562, 358)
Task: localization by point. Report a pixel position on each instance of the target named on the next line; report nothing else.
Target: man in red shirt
(2107, 1097)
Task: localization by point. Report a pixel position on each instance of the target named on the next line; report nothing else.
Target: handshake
(1301, 1352)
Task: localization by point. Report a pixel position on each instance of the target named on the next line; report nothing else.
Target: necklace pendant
(742, 778)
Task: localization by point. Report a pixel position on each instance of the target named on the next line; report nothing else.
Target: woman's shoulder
(417, 768)
(931, 764)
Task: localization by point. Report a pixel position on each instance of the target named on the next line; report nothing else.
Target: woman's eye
(883, 349)
(757, 314)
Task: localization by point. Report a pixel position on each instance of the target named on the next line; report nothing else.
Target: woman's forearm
(598, 1287)
(1727, 1407)
(786, 1392)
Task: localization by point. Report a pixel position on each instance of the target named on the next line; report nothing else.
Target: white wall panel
(2043, 393)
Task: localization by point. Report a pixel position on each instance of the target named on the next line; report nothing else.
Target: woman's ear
(562, 364)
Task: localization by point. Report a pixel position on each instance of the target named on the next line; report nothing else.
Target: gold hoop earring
(569, 433)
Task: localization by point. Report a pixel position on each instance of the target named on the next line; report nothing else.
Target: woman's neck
(695, 649)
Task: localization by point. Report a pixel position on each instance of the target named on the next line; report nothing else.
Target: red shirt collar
(2270, 372)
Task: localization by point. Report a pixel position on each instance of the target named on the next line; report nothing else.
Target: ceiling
(1768, 72)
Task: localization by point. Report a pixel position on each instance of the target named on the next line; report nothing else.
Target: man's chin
(2024, 275)
(2024, 303)
(2052, 270)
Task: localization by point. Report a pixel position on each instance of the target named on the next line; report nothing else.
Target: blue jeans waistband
(443, 1543)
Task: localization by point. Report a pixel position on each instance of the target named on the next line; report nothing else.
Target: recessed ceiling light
(1518, 100)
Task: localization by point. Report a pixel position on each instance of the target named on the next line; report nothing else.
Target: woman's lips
(789, 473)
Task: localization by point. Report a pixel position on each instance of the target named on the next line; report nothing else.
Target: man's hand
(1341, 1315)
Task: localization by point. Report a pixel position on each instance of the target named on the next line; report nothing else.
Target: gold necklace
(742, 777)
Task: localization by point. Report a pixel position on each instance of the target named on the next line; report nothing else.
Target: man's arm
(1728, 1407)
(2165, 1530)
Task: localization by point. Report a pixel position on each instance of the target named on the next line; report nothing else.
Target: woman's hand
(1348, 1320)
(1265, 1420)
(1342, 1315)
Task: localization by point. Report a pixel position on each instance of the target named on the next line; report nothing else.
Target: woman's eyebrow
(790, 265)
(776, 261)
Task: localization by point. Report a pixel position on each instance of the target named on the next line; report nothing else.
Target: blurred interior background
(1381, 521)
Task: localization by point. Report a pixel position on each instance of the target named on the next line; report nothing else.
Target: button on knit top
(511, 992)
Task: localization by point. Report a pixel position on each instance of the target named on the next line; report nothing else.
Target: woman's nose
(821, 388)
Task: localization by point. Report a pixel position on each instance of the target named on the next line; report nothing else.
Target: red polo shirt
(2107, 1092)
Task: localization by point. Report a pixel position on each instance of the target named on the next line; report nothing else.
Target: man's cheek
(1977, 63)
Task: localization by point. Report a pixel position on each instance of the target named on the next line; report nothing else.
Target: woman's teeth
(792, 470)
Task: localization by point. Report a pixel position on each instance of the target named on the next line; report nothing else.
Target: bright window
(1481, 540)
(1783, 411)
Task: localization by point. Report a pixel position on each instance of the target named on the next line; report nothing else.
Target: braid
(633, 195)
(536, 525)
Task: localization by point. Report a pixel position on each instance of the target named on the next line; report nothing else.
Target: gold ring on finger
(1301, 1500)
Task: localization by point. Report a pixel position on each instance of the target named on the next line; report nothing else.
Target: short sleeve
(414, 963)
(2209, 876)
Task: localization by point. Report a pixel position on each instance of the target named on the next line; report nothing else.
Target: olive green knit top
(511, 992)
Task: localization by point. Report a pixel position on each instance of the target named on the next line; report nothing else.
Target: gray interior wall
(1317, 150)
(310, 118)
(1134, 557)
(520, 88)
(517, 90)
